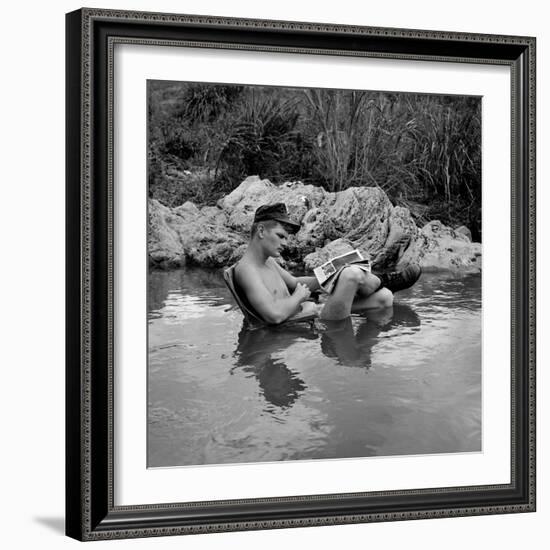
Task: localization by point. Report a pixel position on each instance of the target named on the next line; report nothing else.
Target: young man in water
(277, 295)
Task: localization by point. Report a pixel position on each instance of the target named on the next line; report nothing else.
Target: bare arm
(311, 282)
(273, 311)
(291, 281)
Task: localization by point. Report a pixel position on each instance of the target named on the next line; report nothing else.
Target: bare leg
(355, 289)
(369, 283)
(381, 298)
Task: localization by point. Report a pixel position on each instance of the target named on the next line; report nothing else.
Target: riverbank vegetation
(423, 150)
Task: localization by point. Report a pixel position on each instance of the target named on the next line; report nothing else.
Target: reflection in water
(218, 394)
(257, 350)
(161, 284)
(352, 347)
(256, 354)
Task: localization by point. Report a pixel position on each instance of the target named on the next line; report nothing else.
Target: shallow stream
(401, 381)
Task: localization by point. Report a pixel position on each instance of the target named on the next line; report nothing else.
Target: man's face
(274, 239)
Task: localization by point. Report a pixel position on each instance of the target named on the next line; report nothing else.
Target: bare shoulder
(287, 277)
(245, 272)
(272, 263)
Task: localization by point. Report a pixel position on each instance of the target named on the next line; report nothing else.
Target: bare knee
(366, 283)
(370, 284)
(352, 274)
(384, 297)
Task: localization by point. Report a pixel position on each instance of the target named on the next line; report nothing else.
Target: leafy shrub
(424, 151)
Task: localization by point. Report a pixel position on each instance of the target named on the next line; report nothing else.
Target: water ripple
(405, 380)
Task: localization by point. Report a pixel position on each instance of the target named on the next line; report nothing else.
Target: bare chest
(273, 282)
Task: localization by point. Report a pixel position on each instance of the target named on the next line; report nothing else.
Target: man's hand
(301, 292)
(311, 308)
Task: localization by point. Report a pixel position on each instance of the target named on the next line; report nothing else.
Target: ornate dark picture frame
(90, 509)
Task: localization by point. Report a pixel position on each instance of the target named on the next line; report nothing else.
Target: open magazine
(327, 273)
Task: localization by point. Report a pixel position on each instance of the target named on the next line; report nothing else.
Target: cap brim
(293, 227)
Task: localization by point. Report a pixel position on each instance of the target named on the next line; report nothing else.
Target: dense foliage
(424, 151)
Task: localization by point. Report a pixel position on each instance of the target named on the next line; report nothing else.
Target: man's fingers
(302, 290)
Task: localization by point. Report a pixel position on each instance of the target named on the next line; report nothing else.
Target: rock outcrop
(332, 223)
(189, 234)
(440, 248)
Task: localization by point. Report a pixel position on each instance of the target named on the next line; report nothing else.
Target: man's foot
(400, 280)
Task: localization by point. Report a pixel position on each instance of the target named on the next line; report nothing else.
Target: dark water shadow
(56, 524)
(256, 354)
(257, 351)
(352, 347)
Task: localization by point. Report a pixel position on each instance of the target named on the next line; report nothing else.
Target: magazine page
(347, 258)
(328, 285)
(327, 273)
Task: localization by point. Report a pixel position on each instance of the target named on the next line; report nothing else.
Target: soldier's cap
(277, 212)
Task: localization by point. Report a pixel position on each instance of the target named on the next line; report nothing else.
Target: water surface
(400, 381)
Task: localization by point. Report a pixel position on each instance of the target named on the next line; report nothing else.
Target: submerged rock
(332, 223)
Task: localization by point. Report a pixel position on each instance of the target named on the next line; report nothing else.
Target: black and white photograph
(253, 357)
(300, 275)
(271, 275)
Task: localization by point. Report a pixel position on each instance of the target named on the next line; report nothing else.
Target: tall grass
(260, 141)
(423, 150)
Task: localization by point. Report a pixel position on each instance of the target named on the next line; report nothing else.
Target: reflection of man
(277, 295)
(258, 353)
(351, 346)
